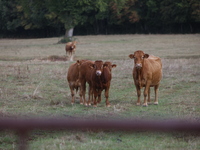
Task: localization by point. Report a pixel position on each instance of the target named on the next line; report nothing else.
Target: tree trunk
(69, 33)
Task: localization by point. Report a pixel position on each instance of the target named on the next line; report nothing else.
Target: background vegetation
(50, 18)
(33, 84)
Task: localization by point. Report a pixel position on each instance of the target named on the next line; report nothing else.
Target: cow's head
(109, 65)
(73, 45)
(138, 57)
(98, 66)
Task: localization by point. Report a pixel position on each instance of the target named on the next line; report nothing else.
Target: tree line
(46, 18)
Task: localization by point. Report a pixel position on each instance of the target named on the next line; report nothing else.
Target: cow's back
(73, 72)
(153, 69)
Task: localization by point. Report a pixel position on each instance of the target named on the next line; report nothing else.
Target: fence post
(23, 140)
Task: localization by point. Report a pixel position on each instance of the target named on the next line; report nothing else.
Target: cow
(147, 72)
(70, 49)
(72, 78)
(85, 76)
(100, 80)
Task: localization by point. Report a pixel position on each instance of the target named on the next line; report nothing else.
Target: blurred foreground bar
(80, 124)
(24, 126)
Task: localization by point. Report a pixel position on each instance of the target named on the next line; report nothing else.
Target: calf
(70, 49)
(72, 78)
(100, 80)
(147, 72)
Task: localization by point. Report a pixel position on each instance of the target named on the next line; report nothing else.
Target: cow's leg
(99, 97)
(81, 96)
(90, 96)
(138, 95)
(156, 94)
(72, 94)
(82, 92)
(149, 91)
(95, 98)
(107, 95)
(146, 90)
(70, 56)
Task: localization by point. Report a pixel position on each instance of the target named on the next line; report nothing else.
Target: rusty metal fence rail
(24, 126)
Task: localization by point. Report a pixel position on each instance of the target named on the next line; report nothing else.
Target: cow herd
(147, 72)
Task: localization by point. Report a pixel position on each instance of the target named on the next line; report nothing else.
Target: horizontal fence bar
(23, 126)
(80, 124)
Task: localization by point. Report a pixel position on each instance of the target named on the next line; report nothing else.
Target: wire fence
(24, 126)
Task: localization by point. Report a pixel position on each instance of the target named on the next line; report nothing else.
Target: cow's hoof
(155, 103)
(89, 104)
(95, 106)
(81, 103)
(72, 103)
(108, 105)
(145, 105)
(138, 104)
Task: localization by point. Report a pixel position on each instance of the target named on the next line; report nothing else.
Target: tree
(74, 12)
(175, 12)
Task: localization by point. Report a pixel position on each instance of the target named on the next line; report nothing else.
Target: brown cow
(147, 72)
(70, 49)
(100, 80)
(85, 76)
(72, 77)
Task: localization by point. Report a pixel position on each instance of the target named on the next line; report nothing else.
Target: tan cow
(147, 72)
(72, 78)
(70, 49)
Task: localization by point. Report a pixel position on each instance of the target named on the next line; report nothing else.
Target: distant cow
(100, 80)
(147, 72)
(72, 78)
(70, 49)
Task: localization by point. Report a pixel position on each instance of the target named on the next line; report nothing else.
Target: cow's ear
(92, 66)
(146, 55)
(105, 65)
(78, 62)
(114, 65)
(131, 56)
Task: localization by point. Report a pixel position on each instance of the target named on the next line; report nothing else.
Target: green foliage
(10, 16)
(100, 15)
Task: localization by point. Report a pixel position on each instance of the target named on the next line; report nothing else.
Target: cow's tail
(77, 85)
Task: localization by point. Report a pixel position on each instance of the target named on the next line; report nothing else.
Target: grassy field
(31, 85)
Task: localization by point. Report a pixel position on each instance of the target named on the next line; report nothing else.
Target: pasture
(33, 84)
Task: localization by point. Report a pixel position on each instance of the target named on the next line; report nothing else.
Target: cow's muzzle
(98, 72)
(138, 66)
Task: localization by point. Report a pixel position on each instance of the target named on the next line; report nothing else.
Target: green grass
(33, 86)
